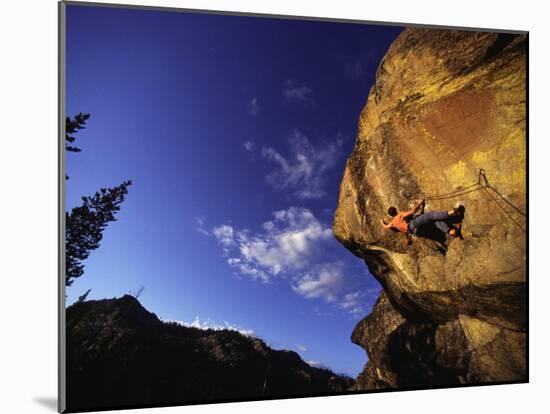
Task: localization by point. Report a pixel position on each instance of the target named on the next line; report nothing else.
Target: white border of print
(28, 294)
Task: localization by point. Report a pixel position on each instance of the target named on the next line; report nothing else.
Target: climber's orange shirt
(399, 222)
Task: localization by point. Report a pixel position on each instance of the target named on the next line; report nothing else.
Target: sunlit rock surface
(444, 105)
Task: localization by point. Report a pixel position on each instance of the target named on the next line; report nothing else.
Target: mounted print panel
(258, 207)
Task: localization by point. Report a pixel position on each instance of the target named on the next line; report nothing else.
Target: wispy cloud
(329, 282)
(249, 146)
(316, 364)
(254, 107)
(224, 234)
(200, 222)
(287, 242)
(304, 171)
(247, 269)
(325, 281)
(291, 247)
(301, 93)
(301, 348)
(353, 302)
(210, 324)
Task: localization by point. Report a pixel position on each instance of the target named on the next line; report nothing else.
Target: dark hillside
(119, 354)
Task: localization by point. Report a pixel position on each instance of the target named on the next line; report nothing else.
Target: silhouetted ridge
(120, 354)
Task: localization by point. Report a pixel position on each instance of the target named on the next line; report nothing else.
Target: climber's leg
(443, 226)
(428, 217)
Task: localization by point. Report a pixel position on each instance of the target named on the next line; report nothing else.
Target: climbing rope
(481, 184)
(467, 189)
(504, 211)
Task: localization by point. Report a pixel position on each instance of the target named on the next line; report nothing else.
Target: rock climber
(405, 223)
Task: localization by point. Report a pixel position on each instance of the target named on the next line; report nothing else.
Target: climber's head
(392, 211)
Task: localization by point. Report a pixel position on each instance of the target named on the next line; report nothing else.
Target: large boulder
(445, 104)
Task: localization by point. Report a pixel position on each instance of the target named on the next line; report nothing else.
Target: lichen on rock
(445, 104)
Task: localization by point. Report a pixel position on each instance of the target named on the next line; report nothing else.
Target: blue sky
(235, 131)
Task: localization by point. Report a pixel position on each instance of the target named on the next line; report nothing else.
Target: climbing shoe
(458, 211)
(456, 231)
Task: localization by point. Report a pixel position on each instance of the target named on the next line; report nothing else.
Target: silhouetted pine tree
(72, 127)
(84, 224)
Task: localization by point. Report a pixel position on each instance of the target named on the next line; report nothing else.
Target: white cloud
(353, 302)
(248, 269)
(329, 282)
(316, 364)
(286, 243)
(304, 172)
(224, 234)
(200, 222)
(248, 146)
(292, 247)
(253, 106)
(326, 281)
(300, 93)
(301, 348)
(210, 324)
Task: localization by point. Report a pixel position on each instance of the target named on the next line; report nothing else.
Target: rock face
(121, 355)
(444, 104)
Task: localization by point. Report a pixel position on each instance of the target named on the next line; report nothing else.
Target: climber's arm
(413, 210)
(385, 225)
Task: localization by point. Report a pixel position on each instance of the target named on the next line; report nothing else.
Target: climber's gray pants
(436, 217)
